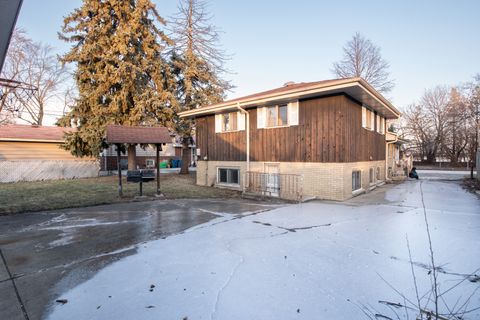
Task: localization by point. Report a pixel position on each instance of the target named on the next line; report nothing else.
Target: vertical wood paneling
(329, 130)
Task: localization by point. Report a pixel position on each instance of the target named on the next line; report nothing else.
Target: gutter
(294, 93)
(247, 130)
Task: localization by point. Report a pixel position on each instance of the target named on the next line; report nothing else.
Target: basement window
(228, 176)
(356, 180)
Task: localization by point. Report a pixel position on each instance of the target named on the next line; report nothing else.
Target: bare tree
(30, 65)
(426, 123)
(363, 59)
(45, 73)
(198, 63)
(14, 70)
(456, 135)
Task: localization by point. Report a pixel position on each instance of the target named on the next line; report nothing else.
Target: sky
(427, 43)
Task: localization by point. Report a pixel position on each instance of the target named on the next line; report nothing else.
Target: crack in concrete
(235, 268)
(293, 229)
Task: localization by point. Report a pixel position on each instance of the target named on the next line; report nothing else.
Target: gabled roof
(21, 132)
(357, 88)
(137, 135)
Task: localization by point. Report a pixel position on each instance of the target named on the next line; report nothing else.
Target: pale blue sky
(272, 42)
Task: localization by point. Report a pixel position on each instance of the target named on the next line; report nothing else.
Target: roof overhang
(9, 10)
(356, 88)
(117, 134)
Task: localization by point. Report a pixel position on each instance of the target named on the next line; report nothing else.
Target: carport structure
(133, 135)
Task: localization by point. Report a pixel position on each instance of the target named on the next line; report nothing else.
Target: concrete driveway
(47, 253)
(316, 260)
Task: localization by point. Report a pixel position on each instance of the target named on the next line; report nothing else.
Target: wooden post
(157, 162)
(120, 191)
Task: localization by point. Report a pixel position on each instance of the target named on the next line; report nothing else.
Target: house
(29, 153)
(399, 163)
(145, 155)
(321, 139)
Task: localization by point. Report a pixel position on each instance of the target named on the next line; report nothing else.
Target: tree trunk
(132, 157)
(185, 159)
(430, 158)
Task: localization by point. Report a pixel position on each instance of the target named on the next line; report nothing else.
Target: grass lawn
(48, 195)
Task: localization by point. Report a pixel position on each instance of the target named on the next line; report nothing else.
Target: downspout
(386, 156)
(247, 130)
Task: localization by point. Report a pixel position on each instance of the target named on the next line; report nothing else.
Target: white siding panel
(293, 113)
(240, 121)
(261, 117)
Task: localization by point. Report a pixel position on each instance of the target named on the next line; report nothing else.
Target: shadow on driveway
(47, 253)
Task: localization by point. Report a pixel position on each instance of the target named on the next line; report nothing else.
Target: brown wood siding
(34, 151)
(329, 130)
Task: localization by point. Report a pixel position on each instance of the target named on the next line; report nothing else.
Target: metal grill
(284, 186)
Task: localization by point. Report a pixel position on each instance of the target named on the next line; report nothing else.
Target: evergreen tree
(198, 64)
(122, 74)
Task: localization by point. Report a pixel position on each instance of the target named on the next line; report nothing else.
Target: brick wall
(331, 181)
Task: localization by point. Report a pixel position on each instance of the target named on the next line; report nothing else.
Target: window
(277, 116)
(380, 124)
(150, 163)
(229, 121)
(378, 174)
(228, 176)
(372, 176)
(356, 180)
(368, 119)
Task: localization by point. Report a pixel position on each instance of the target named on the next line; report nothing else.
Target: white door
(272, 179)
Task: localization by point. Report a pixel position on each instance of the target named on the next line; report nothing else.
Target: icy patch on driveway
(306, 261)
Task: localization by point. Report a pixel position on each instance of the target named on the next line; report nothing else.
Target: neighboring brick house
(29, 153)
(145, 156)
(321, 139)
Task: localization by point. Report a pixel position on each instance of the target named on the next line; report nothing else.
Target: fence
(15, 171)
(284, 186)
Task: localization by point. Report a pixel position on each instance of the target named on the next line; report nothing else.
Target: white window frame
(368, 119)
(292, 115)
(380, 124)
(229, 184)
(150, 160)
(238, 125)
(277, 115)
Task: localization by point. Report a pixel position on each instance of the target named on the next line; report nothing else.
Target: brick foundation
(330, 181)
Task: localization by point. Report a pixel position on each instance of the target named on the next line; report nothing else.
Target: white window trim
(241, 123)
(365, 113)
(152, 160)
(226, 184)
(292, 115)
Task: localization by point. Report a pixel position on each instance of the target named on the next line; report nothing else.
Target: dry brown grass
(59, 194)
